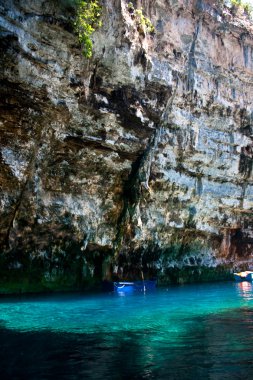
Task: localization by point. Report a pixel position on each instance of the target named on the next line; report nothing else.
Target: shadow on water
(217, 346)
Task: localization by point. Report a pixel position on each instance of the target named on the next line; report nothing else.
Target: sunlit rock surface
(139, 160)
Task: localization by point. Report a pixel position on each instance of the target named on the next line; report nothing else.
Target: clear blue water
(186, 332)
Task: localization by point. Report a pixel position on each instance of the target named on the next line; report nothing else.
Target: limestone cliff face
(137, 160)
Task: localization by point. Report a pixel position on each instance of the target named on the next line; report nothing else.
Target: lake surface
(185, 332)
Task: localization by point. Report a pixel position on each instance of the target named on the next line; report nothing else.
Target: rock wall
(136, 161)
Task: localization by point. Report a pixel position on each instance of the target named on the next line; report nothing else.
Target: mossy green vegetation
(144, 24)
(61, 269)
(195, 274)
(88, 19)
(38, 281)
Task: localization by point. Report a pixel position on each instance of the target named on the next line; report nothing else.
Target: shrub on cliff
(235, 5)
(87, 21)
(246, 6)
(144, 24)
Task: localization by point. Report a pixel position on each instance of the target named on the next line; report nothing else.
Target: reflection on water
(245, 290)
(187, 332)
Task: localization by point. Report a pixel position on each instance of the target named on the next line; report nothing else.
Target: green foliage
(235, 5)
(87, 21)
(144, 24)
(246, 6)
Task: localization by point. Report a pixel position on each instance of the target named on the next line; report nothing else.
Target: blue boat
(243, 276)
(130, 287)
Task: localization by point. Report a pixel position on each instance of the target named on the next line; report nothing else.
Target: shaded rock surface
(139, 160)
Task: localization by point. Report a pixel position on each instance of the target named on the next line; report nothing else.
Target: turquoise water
(184, 332)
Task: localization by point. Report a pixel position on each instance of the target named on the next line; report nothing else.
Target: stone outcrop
(136, 161)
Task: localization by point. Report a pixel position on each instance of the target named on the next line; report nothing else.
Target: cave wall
(139, 159)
